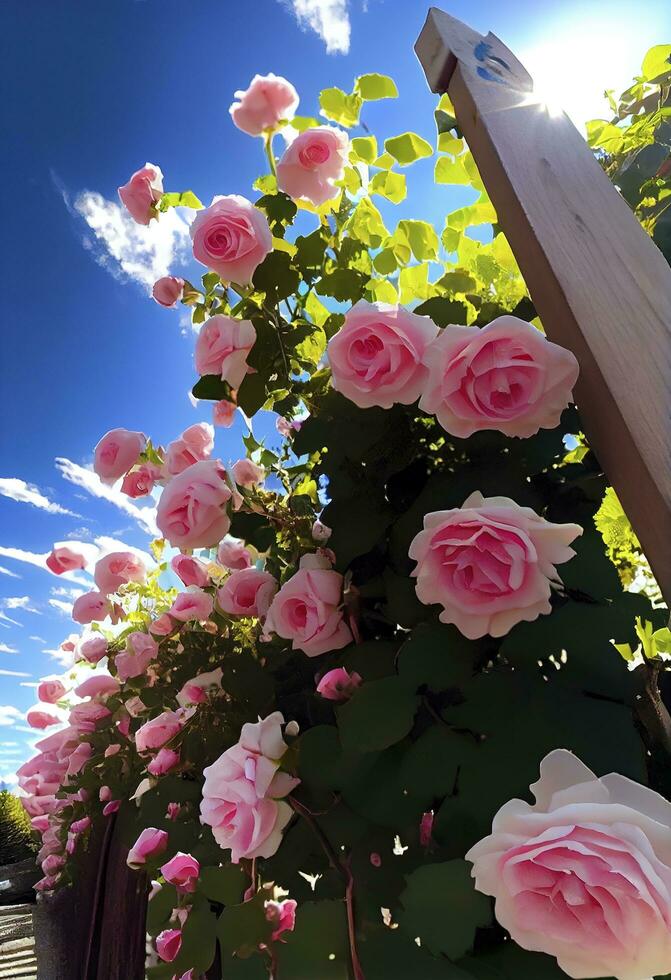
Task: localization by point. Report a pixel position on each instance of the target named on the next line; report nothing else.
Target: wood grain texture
(600, 285)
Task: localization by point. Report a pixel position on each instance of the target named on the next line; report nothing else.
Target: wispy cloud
(85, 478)
(4, 648)
(6, 571)
(329, 19)
(127, 250)
(8, 778)
(13, 673)
(66, 593)
(27, 493)
(18, 602)
(38, 639)
(9, 715)
(60, 656)
(4, 619)
(64, 607)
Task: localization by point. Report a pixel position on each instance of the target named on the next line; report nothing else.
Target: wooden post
(600, 285)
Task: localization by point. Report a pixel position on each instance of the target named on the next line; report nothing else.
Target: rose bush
(398, 604)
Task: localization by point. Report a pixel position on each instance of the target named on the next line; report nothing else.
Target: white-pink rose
(140, 650)
(64, 559)
(505, 376)
(190, 570)
(192, 511)
(232, 553)
(247, 473)
(338, 684)
(308, 609)
(376, 357)
(222, 348)
(584, 874)
(140, 482)
(223, 413)
(117, 569)
(197, 690)
(231, 237)
(489, 563)
(98, 685)
(91, 607)
(194, 444)
(247, 592)
(168, 290)
(51, 689)
(192, 604)
(164, 760)
(260, 108)
(149, 844)
(116, 453)
(243, 791)
(142, 192)
(92, 649)
(312, 163)
(39, 717)
(155, 733)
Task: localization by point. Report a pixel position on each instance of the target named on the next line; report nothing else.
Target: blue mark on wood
(496, 67)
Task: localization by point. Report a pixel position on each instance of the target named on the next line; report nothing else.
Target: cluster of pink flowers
(505, 376)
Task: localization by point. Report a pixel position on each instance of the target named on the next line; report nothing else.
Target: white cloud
(7, 649)
(28, 684)
(85, 478)
(13, 673)
(18, 602)
(327, 18)
(31, 558)
(4, 618)
(8, 778)
(27, 493)
(38, 639)
(108, 544)
(6, 571)
(66, 593)
(9, 745)
(65, 608)
(128, 250)
(62, 657)
(9, 715)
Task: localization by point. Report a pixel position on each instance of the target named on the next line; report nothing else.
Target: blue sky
(95, 89)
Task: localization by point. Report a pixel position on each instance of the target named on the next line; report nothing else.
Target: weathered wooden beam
(600, 285)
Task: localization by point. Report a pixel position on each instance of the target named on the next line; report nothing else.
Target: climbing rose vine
(311, 711)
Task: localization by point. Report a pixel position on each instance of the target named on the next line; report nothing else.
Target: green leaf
(211, 388)
(318, 947)
(316, 310)
(159, 909)
(242, 928)
(382, 291)
(414, 283)
(363, 149)
(444, 311)
(210, 280)
(391, 955)
(385, 262)
(185, 199)
(280, 209)
(379, 714)
(424, 916)
(276, 277)
(421, 237)
(342, 285)
(366, 224)
(301, 123)
(373, 87)
(657, 62)
(225, 884)
(390, 185)
(198, 939)
(310, 350)
(448, 143)
(340, 107)
(449, 171)
(384, 161)
(407, 148)
(437, 656)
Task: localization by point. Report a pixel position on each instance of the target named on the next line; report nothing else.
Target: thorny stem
(654, 713)
(344, 871)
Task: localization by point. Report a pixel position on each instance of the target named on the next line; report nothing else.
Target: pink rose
(190, 571)
(79, 826)
(142, 192)
(247, 473)
(223, 413)
(51, 690)
(168, 944)
(194, 444)
(192, 510)
(222, 348)
(92, 649)
(377, 355)
(64, 559)
(168, 290)
(287, 428)
(86, 715)
(243, 791)
(268, 100)
(232, 238)
(282, 915)
(149, 844)
(91, 607)
(196, 690)
(312, 162)
(182, 871)
(489, 564)
(52, 864)
(233, 554)
(504, 376)
(308, 609)
(192, 604)
(140, 481)
(247, 592)
(162, 626)
(37, 717)
(338, 684)
(155, 733)
(164, 760)
(98, 685)
(116, 452)
(140, 650)
(117, 569)
(584, 874)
